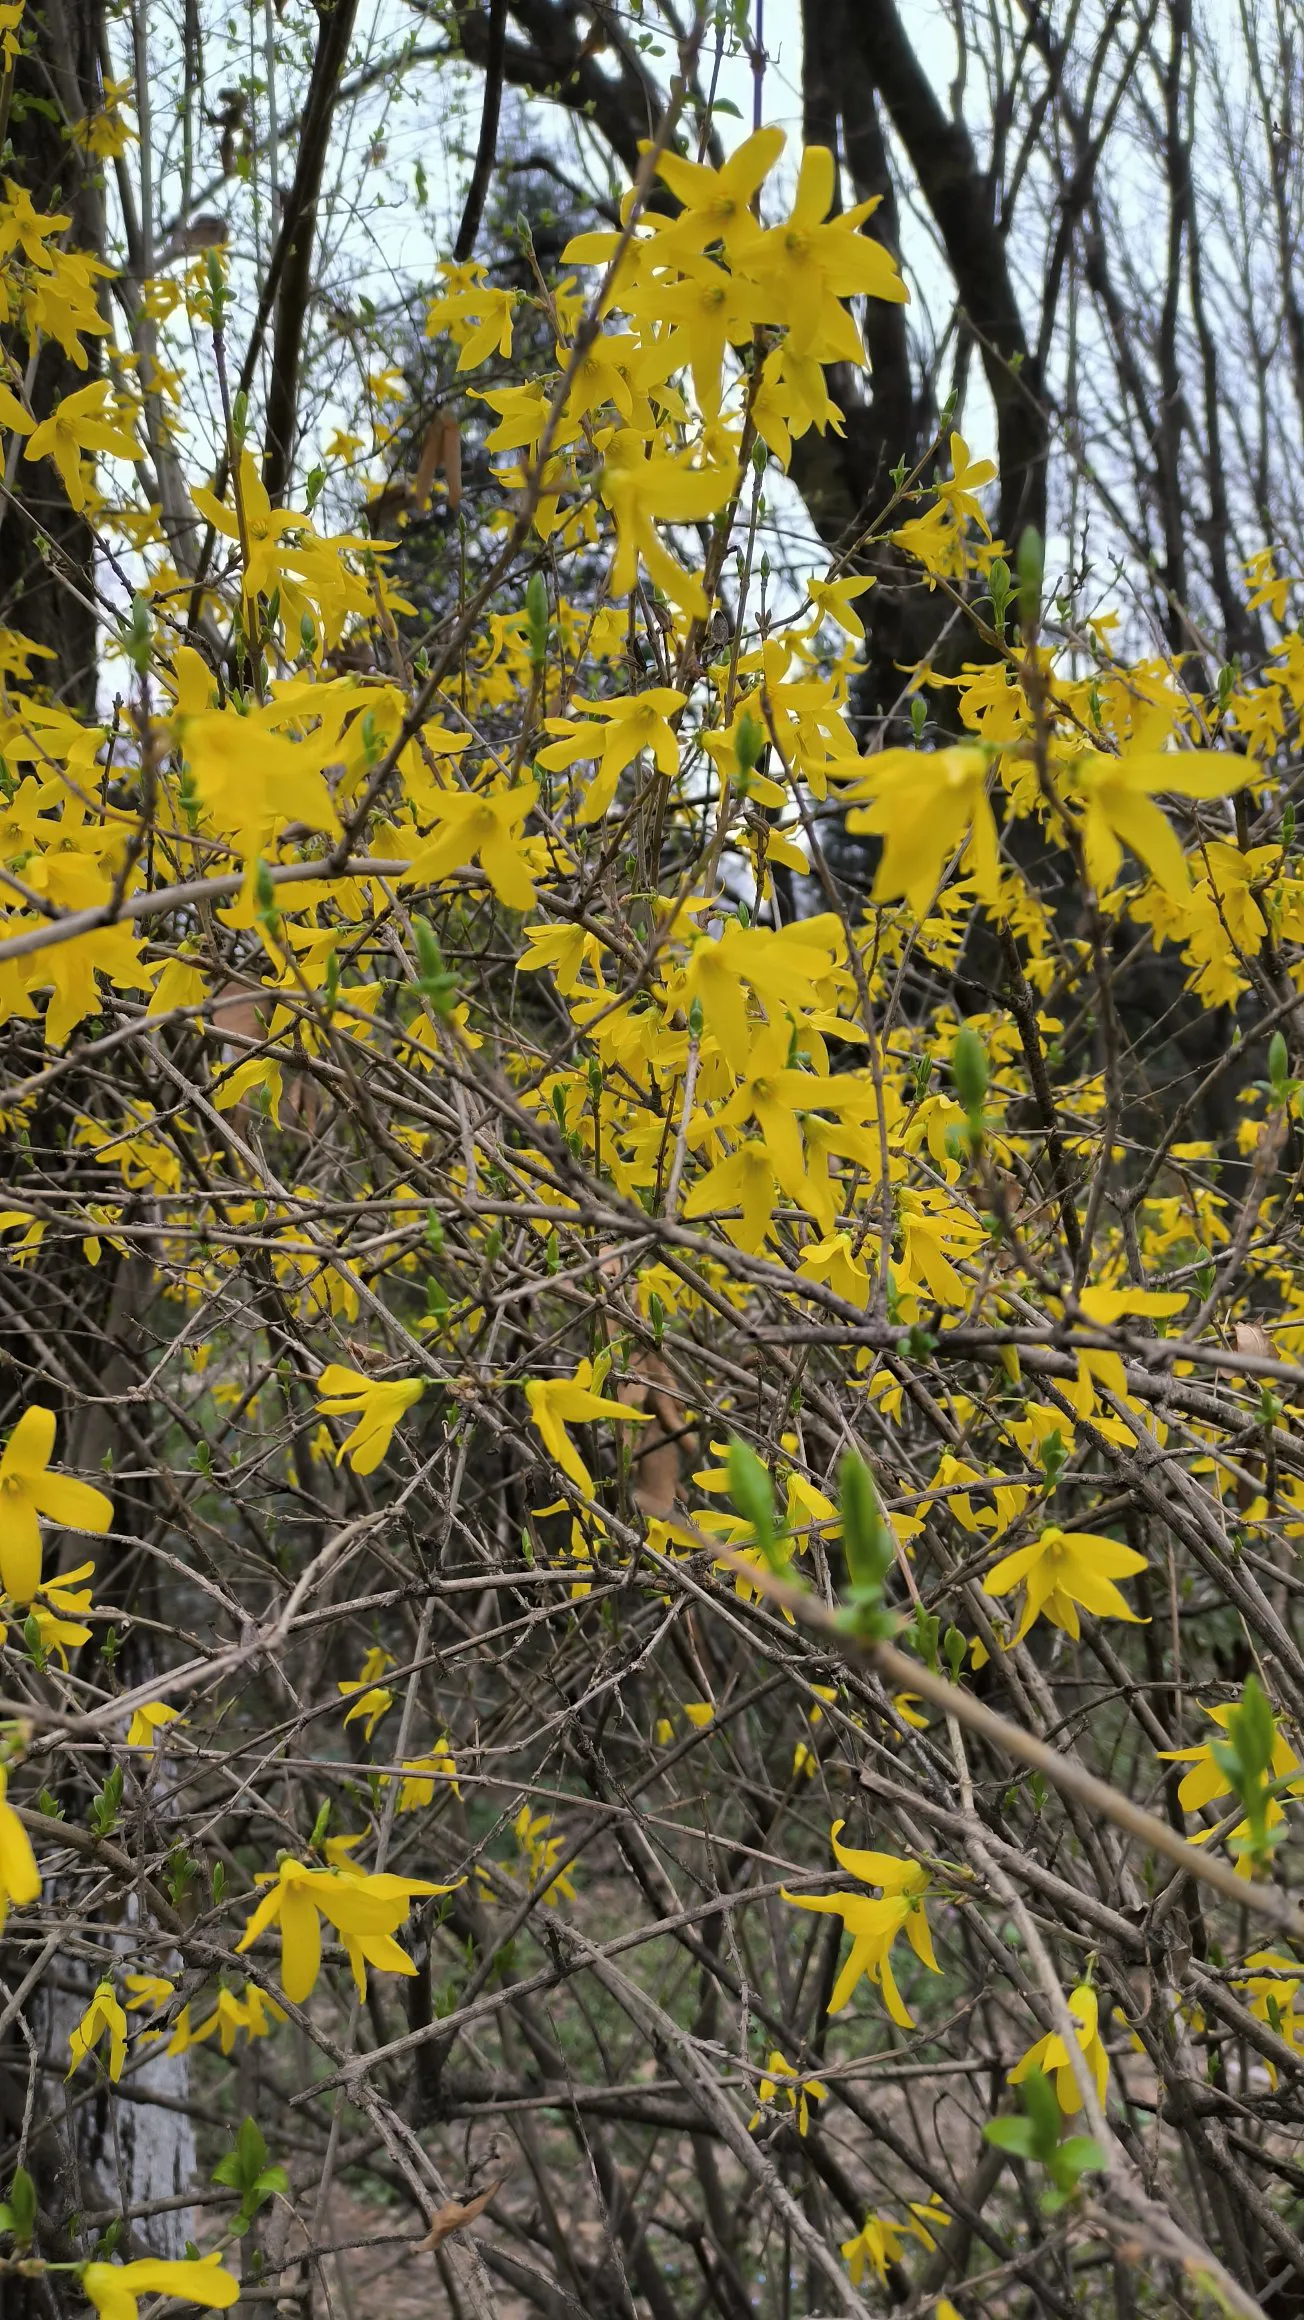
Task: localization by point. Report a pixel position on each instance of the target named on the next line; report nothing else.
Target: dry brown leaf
(450, 459)
(432, 453)
(455, 2214)
(241, 1019)
(441, 453)
(657, 1451)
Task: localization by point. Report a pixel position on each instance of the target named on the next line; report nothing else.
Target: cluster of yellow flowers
(721, 1076)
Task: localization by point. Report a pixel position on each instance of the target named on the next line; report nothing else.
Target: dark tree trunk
(46, 547)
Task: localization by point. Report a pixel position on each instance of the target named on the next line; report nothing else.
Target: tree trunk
(46, 547)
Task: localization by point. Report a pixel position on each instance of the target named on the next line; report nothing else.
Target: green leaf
(1254, 1727)
(433, 978)
(536, 618)
(1013, 2135)
(749, 741)
(106, 1806)
(137, 637)
(970, 1075)
(22, 2203)
(1084, 2155)
(1030, 564)
(1043, 2113)
(922, 1636)
(752, 1493)
(868, 1541)
(1000, 587)
(1244, 1757)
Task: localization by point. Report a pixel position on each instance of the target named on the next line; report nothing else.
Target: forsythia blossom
(114, 2289)
(875, 1922)
(27, 1491)
(376, 1404)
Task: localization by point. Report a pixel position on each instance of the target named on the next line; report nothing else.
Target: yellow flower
(254, 2014)
(923, 806)
(715, 204)
(147, 1993)
(371, 1699)
(84, 421)
(478, 318)
(806, 266)
(880, 2242)
(114, 2288)
(1267, 585)
(782, 971)
(539, 1851)
(1272, 1992)
(27, 1490)
(260, 2011)
(26, 229)
(148, 1721)
(103, 2013)
(105, 133)
(421, 1773)
(907, 1708)
(1106, 1306)
(483, 826)
(14, 416)
(20, 1879)
(366, 1911)
(839, 1266)
(643, 488)
(377, 1404)
(1119, 793)
(967, 477)
(228, 2017)
(747, 1180)
(634, 722)
(833, 600)
(875, 1924)
(798, 2092)
(1206, 1783)
(708, 310)
(217, 744)
(556, 1403)
(1063, 1569)
(1050, 2054)
(934, 1232)
(59, 1616)
(264, 526)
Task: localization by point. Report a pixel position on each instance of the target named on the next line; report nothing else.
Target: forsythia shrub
(583, 1292)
